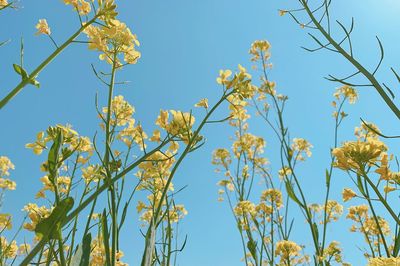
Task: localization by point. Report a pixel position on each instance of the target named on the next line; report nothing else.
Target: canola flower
(355, 155)
(5, 166)
(289, 253)
(81, 6)
(381, 261)
(42, 27)
(3, 3)
(113, 39)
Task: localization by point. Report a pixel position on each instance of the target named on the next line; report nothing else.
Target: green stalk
(179, 161)
(90, 199)
(47, 61)
(107, 161)
(353, 61)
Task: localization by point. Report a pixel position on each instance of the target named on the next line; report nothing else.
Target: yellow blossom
(202, 103)
(8, 250)
(381, 261)
(3, 3)
(353, 155)
(224, 76)
(301, 146)
(43, 27)
(260, 50)
(288, 251)
(5, 221)
(35, 214)
(347, 92)
(5, 166)
(348, 194)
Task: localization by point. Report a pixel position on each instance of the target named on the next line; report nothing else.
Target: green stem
(174, 169)
(47, 61)
(90, 199)
(353, 61)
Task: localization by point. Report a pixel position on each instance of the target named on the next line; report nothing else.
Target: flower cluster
(113, 39)
(260, 49)
(180, 126)
(356, 155)
(81, 6)
(3, 3)
(289, 253)
(98, 253)
(381, 261)
(35, 214)
(301, 147)
(5, 166)
(370, 226)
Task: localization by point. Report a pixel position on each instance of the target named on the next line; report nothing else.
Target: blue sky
(184, 43)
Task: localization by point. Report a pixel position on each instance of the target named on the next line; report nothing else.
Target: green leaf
(252, 247)
(315, 229)
(87, 240)
(360, 185)
(20, 71)
(106, 237)
(123, 215)
(290, 191)
(34, 82)
(51, 226)
(53, 157)
(327, 178)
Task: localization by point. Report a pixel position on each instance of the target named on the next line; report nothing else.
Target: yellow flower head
(43, 27)
(381, 261)
(260, 50)
(353, 155)
(346, 92)
(348, 194)
(202, 103)
(5, 166)
(301, 146)
(3, 3)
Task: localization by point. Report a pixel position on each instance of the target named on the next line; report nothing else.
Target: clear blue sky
(184, 43)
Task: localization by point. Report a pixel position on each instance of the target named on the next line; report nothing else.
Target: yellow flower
(260, 49)
(111, 39)
(273, 196)
(5, 221)
(334, 210)
(92, 173)
(380, 261)
(287, 250)
(121, 111)
(5, 166)
(43, 27)
(8, 250)
(224, 76)
(346, 92)
(180, 125)
(348, 194)
(3, 3)
(353, 155)
(356, 213)
(202, 103)
(222, 157)
(35, 214)
(24, 249)
(245, 207)
(388, 189)
(282, 12)
(284, 172)
(301, 146)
